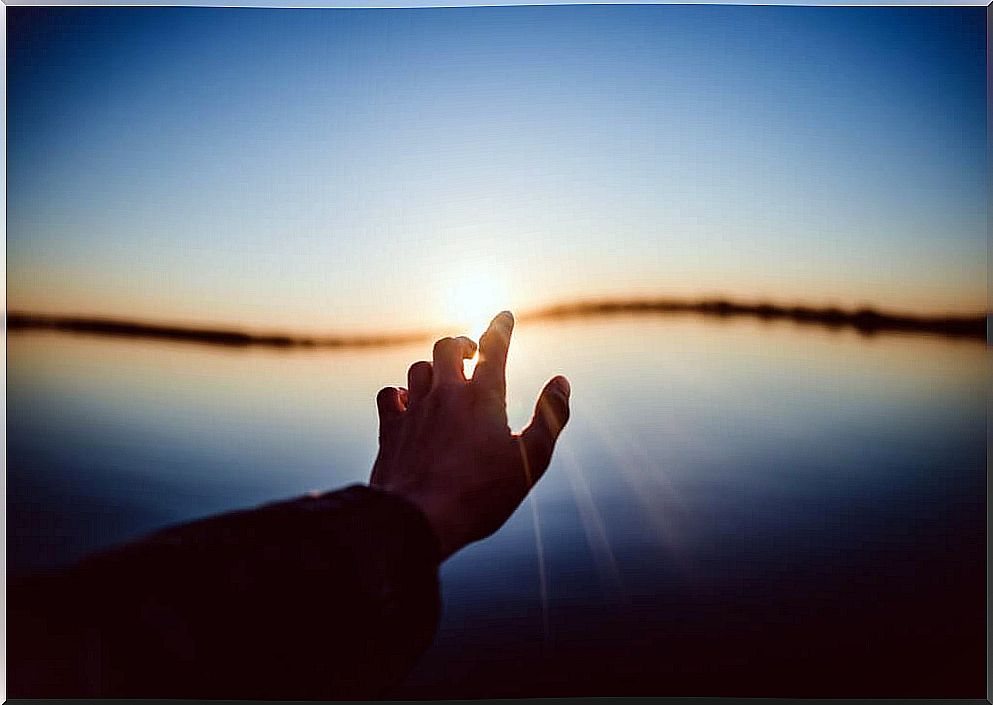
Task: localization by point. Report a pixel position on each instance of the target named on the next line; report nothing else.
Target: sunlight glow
(475, 302)
(470, 303)
(469, 366)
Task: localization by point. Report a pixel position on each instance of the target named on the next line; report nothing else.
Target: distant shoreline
(95, 325)
(866, 321)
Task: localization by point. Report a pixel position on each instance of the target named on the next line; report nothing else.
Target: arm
(330, 596)
(318, 597)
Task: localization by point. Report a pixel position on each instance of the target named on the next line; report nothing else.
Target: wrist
(437, 516)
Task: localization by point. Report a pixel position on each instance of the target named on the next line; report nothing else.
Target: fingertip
(419, 380)
(385, 394)
(421, 368)
(553, 404)
(439, 347)
(503, 323)
(467, 345)
(448, 356)
(388, 401)
(496, 340)
(551, 414)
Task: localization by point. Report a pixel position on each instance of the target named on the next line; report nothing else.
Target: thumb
(550, 416)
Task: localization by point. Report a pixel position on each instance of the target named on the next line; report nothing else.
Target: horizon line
(865, 320)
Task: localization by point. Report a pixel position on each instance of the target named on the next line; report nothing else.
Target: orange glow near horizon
(459, 302)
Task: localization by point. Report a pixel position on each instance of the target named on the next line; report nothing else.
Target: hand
(445, 446)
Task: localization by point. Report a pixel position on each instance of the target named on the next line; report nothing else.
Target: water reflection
(737, 507)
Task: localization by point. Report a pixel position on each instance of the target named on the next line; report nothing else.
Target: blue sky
(360, 169)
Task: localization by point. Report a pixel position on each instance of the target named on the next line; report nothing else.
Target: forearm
(320, 597)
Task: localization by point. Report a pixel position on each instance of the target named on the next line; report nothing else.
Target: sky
(397, 169)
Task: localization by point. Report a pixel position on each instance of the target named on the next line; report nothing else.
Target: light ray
(542, 573)
(539, 544)
(593, 525)
(649, 487)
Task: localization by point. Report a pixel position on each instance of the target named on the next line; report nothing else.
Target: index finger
(493, 346)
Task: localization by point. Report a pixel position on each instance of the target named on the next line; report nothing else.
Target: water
(736, 507)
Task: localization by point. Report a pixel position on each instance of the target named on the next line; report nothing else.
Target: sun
(471, 301)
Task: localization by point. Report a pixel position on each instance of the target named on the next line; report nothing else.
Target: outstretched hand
(444, 442)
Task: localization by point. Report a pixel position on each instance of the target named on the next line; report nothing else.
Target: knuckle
(488, 395)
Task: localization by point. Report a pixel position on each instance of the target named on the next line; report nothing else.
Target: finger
(389, 401)
(550, 416)
(419, 380)
(491, 371)
(448, 356)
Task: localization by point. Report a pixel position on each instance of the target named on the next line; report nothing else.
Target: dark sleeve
(322, 597)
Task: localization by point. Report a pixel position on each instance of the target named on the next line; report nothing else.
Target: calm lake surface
(736, 507)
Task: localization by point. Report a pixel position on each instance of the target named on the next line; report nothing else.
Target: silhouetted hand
(444, 443)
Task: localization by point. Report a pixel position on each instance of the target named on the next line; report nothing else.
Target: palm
(445, 443)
